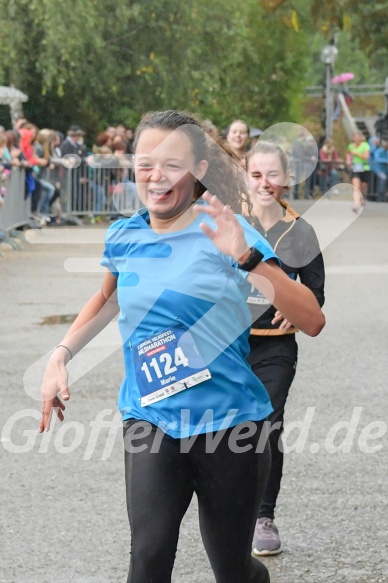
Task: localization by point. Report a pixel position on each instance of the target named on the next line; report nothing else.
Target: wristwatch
(254, 259)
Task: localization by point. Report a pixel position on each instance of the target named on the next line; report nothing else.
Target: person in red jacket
(28, 134)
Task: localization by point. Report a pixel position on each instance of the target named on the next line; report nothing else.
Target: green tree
(93, 62)
(350, 58)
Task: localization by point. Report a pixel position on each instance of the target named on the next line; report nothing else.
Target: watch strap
(254, 259)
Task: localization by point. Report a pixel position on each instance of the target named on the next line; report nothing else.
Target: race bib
(257, 304)
(358, 167)
(256, 298)
(167, 363)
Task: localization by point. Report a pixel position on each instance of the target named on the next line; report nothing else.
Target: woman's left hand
(285, 324)
(229, 236)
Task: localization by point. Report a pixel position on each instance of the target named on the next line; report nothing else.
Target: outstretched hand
(229, 236)
(55, 380)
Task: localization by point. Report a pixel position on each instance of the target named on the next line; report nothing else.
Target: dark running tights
(273, 360)
(160, 486)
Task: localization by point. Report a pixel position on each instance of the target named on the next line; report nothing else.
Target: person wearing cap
(73, 144)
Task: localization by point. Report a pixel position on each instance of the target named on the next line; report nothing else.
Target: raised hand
(229, 236)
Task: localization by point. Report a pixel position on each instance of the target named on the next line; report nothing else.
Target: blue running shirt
(176, 282)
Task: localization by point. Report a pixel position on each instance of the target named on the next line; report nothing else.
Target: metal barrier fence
(327, 174)
(16, 209)
(92, 190)
(100, 187)
(310, 178)
(330, 173)
(88, 190)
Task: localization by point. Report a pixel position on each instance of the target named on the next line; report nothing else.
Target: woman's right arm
(94, 316)
(364, 154)
(294, 300)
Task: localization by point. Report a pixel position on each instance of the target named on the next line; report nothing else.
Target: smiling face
(166, 172)
(238, 136)
(267, 178)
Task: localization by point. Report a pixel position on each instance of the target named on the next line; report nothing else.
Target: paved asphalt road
(63, 516)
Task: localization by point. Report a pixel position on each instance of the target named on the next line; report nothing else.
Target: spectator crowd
(102, 179)
(45, 154)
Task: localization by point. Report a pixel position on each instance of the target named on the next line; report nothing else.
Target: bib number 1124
(165, 361)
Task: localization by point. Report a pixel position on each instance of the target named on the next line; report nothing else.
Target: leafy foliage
(95, 62)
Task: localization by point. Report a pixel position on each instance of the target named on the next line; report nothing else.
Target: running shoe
(266, 540)
(261, 571)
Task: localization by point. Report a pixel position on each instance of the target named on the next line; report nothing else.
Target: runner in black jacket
(274, 350)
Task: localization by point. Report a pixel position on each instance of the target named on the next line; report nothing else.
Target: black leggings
(160, 486)
(273, 360)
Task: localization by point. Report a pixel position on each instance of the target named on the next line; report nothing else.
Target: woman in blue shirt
(193, 411)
